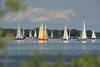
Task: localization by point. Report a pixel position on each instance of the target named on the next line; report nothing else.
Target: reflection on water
(84, 46)
(66, 46)
(93, 41)
(83, 42)
(42, 41)
(20, 41)
(20, 50)
(65, 41)
(42, 47)
(55, 44)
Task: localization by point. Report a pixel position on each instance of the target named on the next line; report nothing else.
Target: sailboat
(51, 34)
(23, 33)
(46, 30)
(19, 34)
(83, 35)
(93, 35)
(65, 36)
(30, 34)
(69, 34)
(35, 35)
(42, 34)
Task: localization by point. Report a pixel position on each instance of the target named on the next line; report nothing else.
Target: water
(17, 52)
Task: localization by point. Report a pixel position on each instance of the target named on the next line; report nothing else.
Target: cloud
(40, 19)
(39, 15)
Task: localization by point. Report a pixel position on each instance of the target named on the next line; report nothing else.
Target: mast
(93, 35)
(35, 35)
(84, 36)
(65, 36)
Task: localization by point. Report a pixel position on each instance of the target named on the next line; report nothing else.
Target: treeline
(57, 33)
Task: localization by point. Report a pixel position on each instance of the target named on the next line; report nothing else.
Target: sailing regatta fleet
(42, 35)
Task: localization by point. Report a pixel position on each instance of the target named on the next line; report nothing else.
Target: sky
(56, 13)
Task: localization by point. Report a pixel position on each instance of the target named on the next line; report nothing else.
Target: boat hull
(82, 39)
(93, 38)
(42, 39)
(65, 39)
(34, 37)
(30, 37)
(51, 38)
(19, 39)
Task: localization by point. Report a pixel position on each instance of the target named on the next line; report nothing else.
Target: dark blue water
(17, 52)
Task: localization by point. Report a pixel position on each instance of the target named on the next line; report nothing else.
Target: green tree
(43, 64)
(32, 62)
(98, 61)
(85, 61)
(89, 33)
(60, 62)
(2, 42)
(15, 5)
(75, 33)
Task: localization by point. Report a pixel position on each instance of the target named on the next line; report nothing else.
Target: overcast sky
(56, 13)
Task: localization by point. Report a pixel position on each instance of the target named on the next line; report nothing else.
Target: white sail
(83, 36)
(30, 34)
(19, 34)
(46, 30)
(93, 35)
(35, 35)
(65, 36)
(51, 34)
(23, 33)
(69, 33)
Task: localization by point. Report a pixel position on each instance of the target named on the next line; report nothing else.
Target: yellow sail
(42, 33)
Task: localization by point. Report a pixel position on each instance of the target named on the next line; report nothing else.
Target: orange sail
(42, 34)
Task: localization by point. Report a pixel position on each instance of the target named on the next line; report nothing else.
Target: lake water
(18, 52)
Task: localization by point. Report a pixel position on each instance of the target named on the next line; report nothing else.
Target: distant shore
(56, 33)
